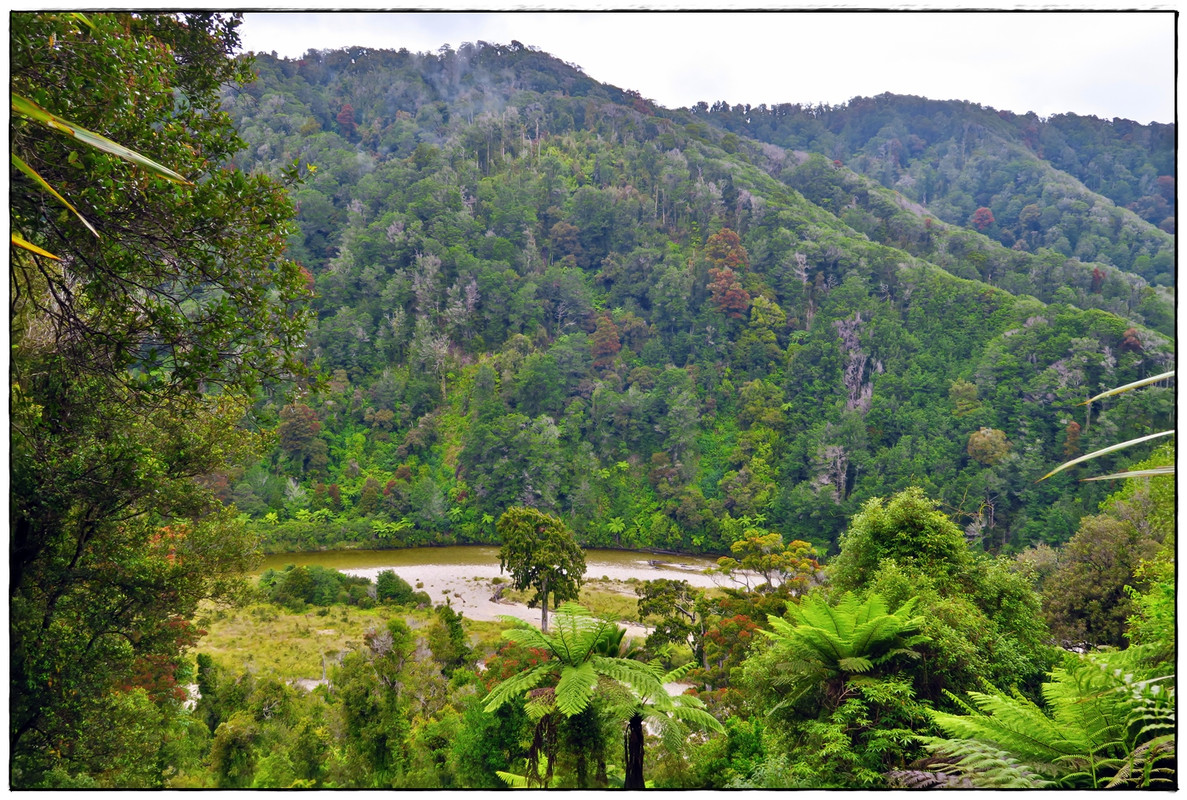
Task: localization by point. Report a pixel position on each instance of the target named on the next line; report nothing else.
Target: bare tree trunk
(544, 606)
(634, 753)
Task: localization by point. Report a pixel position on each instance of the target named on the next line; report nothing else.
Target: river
(466, 572)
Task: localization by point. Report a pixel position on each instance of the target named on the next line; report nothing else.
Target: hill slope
(533, 288)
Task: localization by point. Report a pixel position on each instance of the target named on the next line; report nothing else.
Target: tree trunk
(634, 753)
(582, 770)
(544, 606)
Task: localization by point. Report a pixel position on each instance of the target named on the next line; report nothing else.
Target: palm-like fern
(576, 664)
(1110, 724)
(825, 645)
(584, 661)
(670, 717)
(577, 668)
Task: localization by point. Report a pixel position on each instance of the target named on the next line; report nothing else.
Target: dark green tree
(136, 348)
(542, 554)
(832, 680)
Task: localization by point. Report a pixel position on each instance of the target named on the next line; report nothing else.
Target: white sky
(1107, 64)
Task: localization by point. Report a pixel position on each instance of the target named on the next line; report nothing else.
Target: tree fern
(581, 666)
(1107, 723)
(819, 642)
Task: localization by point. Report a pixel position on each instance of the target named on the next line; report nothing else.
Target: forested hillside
(1078, 185)
(376, 300)
(532, 288)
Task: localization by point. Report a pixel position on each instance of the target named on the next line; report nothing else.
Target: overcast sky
(1107, 64)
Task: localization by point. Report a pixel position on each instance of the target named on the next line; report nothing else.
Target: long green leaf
(19, 241)
(78, 15)
(1137, 473)
(1128, 386)
(512, 780)
(22, 105)
(20, 164)
(1103, 451)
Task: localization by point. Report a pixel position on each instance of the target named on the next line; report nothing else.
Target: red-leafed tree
(1071, 444)
(346, 118)
(725, 249)
(1166, 187)
(982, 218)
(606, 342)
(1098, 278)
(1131, 342)
(727, 293)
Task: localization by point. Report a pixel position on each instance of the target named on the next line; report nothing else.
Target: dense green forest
(382, 299)
(531, 288)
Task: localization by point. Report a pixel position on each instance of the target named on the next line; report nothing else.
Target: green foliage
(789, 567)
(390, 586)
(1085, 599)
(578, 668)
(541, 554)
(520, 367)
(1110, 722)
(124, 387)
(836, 680)
(448, 641)
(677, 613)
(294, 587)
(666, 335)
(907, 530)
(821, 648)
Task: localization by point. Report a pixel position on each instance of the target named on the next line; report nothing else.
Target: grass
(271, 640)
(267, 639)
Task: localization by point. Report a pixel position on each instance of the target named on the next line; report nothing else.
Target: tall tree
(541, 554)
(136, 347)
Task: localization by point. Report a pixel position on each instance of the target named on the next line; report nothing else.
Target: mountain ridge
(675, 331)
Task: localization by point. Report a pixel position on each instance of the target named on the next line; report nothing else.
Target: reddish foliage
(725, 249)
(1166, 187)
(511, 659)
(346, 118)
(982, 218)
(156, 673)
(606, 343)
(1098, 278)
(1071, 444)
(728, 295)
(1131, 342)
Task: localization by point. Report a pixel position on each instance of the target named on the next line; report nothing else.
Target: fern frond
(676, 675)
(920, 779)
(529, 637)
(517, 685)
(1140, 770)
(697, 718)
(513, 781)
(856, 664)
(1016, 725)
(635, 674)
(575, 689)
(986, 766)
